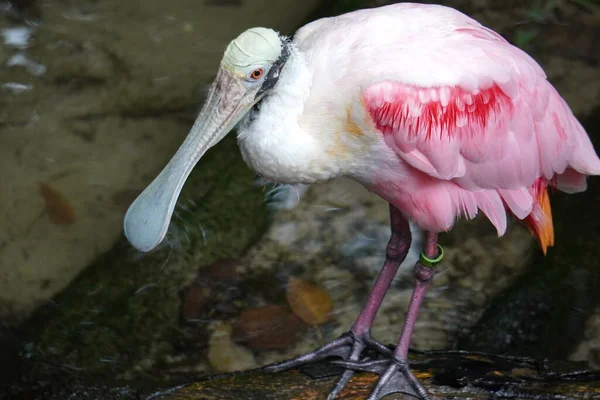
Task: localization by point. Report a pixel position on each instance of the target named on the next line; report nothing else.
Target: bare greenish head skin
(253, 47)
(249, 71)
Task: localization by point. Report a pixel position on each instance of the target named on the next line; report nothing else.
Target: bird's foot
(348, 346)
(395, 377)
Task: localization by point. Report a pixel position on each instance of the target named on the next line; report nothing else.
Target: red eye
(257, 73)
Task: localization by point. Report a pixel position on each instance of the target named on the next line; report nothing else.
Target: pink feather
(493, 145)
(471, 120)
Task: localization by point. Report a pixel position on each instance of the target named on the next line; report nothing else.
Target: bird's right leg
(350, 345)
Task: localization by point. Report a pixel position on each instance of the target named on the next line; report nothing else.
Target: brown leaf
(194, 303)
(268, 327)
(309, 302)
(60, 211)
(223, 270)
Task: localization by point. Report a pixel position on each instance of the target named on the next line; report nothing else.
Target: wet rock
(70, 61)
(23, 11)
(445, 375)
(223, 3)
(111, 93)
(120, 316)
(589, 348)
(22, 4)
(124, 198)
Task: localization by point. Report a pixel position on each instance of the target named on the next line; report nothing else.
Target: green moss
(124, 308)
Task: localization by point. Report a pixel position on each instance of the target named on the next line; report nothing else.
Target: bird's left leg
(396, 377)
(350, 345)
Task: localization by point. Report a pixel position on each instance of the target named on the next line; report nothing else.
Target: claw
(398, 378)
(395, 377)
(340, 347)
(349, 347)
(357, 348)
(340, 384)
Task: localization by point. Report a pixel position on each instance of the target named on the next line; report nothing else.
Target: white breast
(273, 142)
(285, 154)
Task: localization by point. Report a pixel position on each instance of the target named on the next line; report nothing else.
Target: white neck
(272, 140)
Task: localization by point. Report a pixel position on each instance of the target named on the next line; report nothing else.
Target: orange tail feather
(539, 220)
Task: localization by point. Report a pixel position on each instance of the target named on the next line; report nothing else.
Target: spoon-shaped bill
(147, 219)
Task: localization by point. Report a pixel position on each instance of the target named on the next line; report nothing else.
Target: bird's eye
(257, 74)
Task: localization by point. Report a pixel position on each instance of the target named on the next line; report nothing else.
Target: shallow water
(96, 97)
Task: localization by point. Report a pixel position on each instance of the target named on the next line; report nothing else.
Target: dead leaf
(194, 303)
(60, 211)
(268, 327)
(309, 302)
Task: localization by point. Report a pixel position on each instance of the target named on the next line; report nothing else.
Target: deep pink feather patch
(446, 111)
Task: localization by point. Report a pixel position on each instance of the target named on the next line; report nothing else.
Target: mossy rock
(121, 313)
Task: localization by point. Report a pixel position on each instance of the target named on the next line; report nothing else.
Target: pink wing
(492, 145)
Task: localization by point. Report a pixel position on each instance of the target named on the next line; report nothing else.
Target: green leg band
(431, 263)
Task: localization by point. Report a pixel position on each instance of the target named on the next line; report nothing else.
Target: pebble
(194, 303)
(226, 356)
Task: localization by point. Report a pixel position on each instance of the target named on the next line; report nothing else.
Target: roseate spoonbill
(435, 113)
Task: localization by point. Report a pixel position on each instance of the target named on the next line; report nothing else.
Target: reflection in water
(16, 37)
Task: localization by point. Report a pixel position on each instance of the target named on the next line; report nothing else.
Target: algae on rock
(120, 316)
(91, 103)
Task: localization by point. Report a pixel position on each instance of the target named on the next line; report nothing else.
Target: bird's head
(249, 71)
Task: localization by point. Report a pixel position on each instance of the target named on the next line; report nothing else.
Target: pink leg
(395, 375)
(350, 345)
(423, 276)
(396, 252)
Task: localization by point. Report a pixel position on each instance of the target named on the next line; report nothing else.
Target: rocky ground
(96, 96)
(336, 234)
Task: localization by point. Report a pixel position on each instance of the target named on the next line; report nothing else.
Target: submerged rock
(101, 96)
(120, 317)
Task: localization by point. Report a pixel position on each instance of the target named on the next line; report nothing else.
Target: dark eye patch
(273, 74)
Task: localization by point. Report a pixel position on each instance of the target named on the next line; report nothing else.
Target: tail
(539, 220)
(582, 162)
